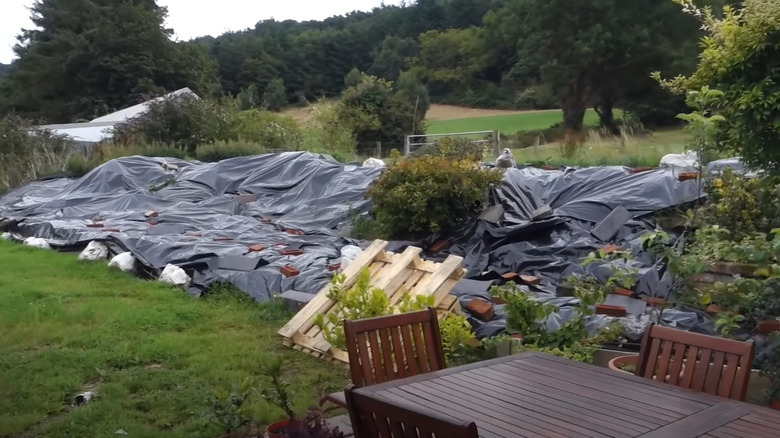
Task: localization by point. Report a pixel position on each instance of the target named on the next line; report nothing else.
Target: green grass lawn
(152, 353)
(506, 124)
(632, 152)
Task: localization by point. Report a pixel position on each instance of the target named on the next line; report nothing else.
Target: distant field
(505, 123)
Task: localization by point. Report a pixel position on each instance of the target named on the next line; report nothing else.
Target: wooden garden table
(539, 395)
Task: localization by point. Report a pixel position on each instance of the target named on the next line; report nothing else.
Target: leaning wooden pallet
(395, 274)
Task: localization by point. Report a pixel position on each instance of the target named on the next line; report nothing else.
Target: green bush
(28, 153)
(79, 165)
(454, 148)
(272, 131)
(228, 149)
(425, 195)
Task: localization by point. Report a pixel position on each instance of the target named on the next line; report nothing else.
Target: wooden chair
(699, 362)
(391, 347)
(375, 417)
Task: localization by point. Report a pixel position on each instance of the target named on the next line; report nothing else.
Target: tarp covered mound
(552, 247)
(198, 203)
(198, 206)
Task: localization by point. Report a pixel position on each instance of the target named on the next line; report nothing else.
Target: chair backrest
(699, 362)
(376, 417)
(392, 347)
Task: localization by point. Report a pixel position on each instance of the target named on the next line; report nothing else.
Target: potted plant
(229, 410)
(625, 364)
(313, 426)
(770, 368)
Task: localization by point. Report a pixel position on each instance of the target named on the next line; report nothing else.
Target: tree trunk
(573, 115)
(605, 111)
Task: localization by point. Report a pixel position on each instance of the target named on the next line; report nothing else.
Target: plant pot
(774, 404)
(278, 429)
(619, 362)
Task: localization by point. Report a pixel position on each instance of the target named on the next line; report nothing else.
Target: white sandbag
(125, 262)
(37, 243)
(374, 162)
(348, 255)
(175, 275)
(6, 236)
(689, 159)
(94, 251)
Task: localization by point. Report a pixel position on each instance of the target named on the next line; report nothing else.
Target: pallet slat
(394, 273)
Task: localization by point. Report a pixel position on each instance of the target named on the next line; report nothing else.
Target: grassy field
(506, 123)
(632, 151)
(152, 353)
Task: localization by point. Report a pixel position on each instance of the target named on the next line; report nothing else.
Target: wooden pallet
(395, 274)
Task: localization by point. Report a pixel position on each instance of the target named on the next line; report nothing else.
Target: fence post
(496, 143)
(407, 147)
(379, 149)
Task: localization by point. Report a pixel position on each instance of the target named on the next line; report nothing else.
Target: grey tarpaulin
(198, 203)
(316, 195)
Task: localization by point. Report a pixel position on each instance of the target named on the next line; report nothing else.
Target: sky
(194, 18)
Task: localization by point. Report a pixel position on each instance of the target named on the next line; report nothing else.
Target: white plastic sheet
(175, 275)
(37, 243)
(125, 262)
(94, 251)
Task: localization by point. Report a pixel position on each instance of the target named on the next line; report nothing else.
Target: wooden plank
(302, 320)
(430, 284)
(701, 422)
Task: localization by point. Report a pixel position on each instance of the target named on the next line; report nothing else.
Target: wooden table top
(540, 395)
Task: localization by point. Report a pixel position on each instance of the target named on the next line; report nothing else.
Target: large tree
(590, 52)
(85, 58)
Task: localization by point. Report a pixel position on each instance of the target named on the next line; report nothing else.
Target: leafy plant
(313, 426)
(770, 366)
(456, 336)
(229, 409)
(360, 301)
(727, 323)
(427, 195)
(278, 393)
(590, 291)
(452, 148)
(523, 312)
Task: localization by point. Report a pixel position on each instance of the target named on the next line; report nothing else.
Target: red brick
(509, 275)
(530, 279)
(606, 309)
(687, 176)
(95, 225)
(292, 252)
(111, 230)
(294, 232)
(439, 246)
(641, 169)
(609, 249)
(267, 221)
(497, 300)
(256, 248)
(713, 309)
(653, 301)
(480, 309)
(624, 292)
(290, 271)
(222, 239)
(334, 267)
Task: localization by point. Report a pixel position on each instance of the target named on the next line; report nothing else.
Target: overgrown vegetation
(154, 356)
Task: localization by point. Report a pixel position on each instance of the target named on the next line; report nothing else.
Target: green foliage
(590, 291)
(770, 367)
(28, 153)
(525, 315)
(327, 132)
(703, 125)
(454, 149)
(741, 205)
(247, 98)
(740, 52)
(353, 78)
(275, 95)
(456, 337)
(222, 150)
(360, 301)
(426, 195)
(228, 409)
(271, 131)
(391, 58)
(83, 60)
(278, 393)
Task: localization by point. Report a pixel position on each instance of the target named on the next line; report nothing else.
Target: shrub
(454, 148)
(28, 153)
(275, 95)
(742, 205)
(271, 131)
(227, 149)
(427, 195)
(79, 165)
(327, 134)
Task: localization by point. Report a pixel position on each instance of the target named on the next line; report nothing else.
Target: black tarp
(316, 195)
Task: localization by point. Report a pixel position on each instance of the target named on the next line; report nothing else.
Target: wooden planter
(767, 327)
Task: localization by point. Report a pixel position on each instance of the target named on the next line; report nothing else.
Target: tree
(353, 78)
(447, 60)
(741, 58)
(582, 50)
(390, 60)
(87, 58)
(275, 95)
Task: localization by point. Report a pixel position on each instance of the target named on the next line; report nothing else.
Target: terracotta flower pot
(619, 362)
(278, 429)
